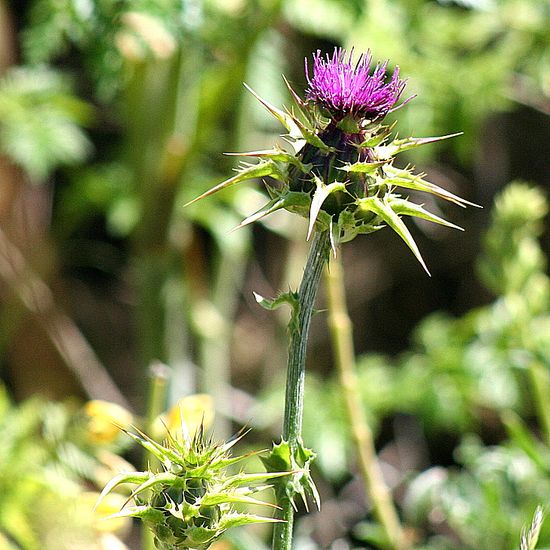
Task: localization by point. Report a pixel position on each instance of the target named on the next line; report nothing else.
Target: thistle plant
(339, 173)
(192, 501)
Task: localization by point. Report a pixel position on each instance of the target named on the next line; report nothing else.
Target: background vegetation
(115, 113)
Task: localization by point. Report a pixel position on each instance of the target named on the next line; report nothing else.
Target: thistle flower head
(343, 88)
(341, 173)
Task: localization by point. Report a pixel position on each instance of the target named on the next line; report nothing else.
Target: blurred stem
(342, 341)
(159, 376)
(34, 296)
(294, 400)
(215, 339)
(540, 381)
(156, 154)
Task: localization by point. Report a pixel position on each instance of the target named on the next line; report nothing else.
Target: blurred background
(115, 113)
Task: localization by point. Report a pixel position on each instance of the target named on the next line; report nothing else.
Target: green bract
(340, 175)
(191, 502)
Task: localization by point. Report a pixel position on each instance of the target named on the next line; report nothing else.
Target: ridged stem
(294, 401)
(344, 357)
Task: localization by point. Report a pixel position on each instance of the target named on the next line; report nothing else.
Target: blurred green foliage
(124, 107)
(464, 61)
(48, 466)
(42, 121)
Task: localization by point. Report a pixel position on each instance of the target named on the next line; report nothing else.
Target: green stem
(159, 376)
(215, 341)
(294, 401)
(540, 382)
(342, 341)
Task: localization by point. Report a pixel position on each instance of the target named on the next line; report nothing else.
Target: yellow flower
(187, 415)
(105, 420)
(106, 507)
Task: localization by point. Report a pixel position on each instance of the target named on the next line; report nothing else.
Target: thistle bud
(191, 502)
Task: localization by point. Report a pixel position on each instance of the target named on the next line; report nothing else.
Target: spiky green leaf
(285, 298)
(405, 179)
(399, 145)
(363, 167)
(287, 120)
(272, 206)
(404, 207)
(133, 477)
(156, 479)
(297, 462)
(383, 209)
(225, 498)
(302, 108)
(236, 520)
(266, 168)
(276, 154)
(319, 197)
(377, 135)
(145, 512)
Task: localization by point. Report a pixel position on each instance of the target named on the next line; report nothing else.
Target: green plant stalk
(344, 356)
(294, 399)
(540, 382)
(159, 377)
(215, 344)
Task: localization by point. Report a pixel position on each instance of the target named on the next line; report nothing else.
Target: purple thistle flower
(345, 89)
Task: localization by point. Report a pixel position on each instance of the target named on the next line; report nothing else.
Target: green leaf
(156, 479)
(381, 208)
(133, 477)
(297, 463)
(243, 479)
(399, 145)
(312, 138)
(288, 298)
(404, 207)
(363, 167)
(272, 206)
(223, 498)
(297, 130)
(407, 180)
(267, 168)
(146, 513)
(319, 197)
(287, 120)
(276, 154)
(202, 536)
(377, 135)
(302, 107)
(235, 520)
(304, 458)
(156, 449)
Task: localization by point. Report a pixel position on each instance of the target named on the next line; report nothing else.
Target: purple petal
(343, 88)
